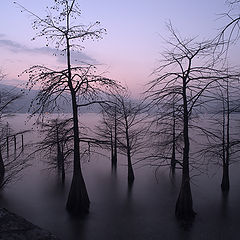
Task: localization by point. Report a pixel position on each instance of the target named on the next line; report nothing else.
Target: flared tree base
(225, 185)
(2, 171)
(131, 176)
(131, 179)
(78, 202)
(184, 207)
(114, 166)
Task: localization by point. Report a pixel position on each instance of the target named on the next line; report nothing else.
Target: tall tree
(60, 27)
(187, 70)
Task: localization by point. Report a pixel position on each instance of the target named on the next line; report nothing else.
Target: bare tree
(122, 127)
(107, 131)
(131, 129)
(2, 169)
(12, 158)
(130, 126)
(166, 134)
(229, 33)
(222, 138)
(56, 143)
(187, 70)
(10, 165)
(60, 27)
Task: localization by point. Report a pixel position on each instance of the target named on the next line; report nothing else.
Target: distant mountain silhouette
(22, 104)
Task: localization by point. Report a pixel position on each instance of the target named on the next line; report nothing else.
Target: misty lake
(146, 211)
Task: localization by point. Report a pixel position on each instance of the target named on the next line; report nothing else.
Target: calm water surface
(146, 211)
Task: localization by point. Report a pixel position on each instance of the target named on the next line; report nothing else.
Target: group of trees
(222, 143)
(56, 144)
(190, 75)
(81, 86)
(81, 83)
(122, 127)
(197, 72)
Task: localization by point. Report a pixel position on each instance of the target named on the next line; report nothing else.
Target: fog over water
(144, 211)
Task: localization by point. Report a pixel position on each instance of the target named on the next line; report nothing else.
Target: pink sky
(129, 51)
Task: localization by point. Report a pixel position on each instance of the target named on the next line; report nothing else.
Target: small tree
(122, 127)
(10, 166)
(57, 143)
(107, 131)
(166, 134)
(222, 140)
(130, 127)
(80, 82)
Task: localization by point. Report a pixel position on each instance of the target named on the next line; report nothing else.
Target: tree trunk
(59, 156)
(63, 171)
(7, 146)
(60, 161)
(78, 201)
(184, 206)
(173, 158)
(2, 169)
(113, 159)
(130, 168)
(115, 139)
(225, 185)
(62, 164)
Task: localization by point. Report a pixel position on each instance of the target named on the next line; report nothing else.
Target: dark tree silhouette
(2, 169)
(122, 127)
(222, 137)
(166, 134)
(187, 70)
(57, 143)
(230, 32)
(130, 126)
(12, 159)
(10, 165)
(60, 27)
(107, 131)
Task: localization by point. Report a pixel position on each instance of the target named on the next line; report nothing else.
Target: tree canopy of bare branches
(187, 74)
(229, 33)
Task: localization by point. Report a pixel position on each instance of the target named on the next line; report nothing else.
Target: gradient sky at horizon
(129, 51)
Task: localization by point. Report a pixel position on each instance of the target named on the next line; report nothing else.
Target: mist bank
(22, 105)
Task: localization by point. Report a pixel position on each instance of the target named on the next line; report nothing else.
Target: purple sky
(129, 51)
